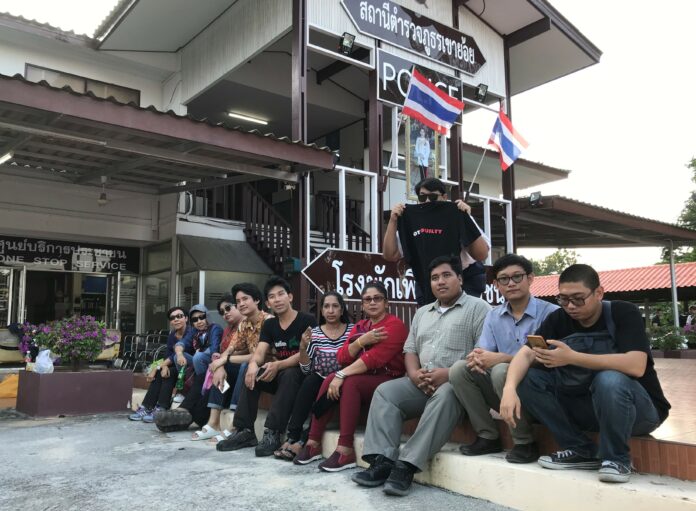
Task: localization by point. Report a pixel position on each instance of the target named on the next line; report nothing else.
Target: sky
(624, 127)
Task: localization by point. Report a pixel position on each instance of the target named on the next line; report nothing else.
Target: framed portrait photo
(422, 155)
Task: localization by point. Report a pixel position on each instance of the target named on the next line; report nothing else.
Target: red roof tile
(629, 279)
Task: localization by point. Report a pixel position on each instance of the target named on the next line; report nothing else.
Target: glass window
(156, 301)
(158, 257)
(188, 290)
(128, 303)
(217, 283)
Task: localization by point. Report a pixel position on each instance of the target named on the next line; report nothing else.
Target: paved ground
(107, 462)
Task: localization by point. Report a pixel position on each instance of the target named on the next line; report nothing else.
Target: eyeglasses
(432, 197)
(516, 278)
(577, 301)
(196, 319)
(226, 308)
(370, 299)
(176, 316)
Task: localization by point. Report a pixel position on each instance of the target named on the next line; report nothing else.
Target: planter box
(74, 393)
(688, 354)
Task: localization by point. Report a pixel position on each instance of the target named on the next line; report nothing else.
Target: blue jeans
(235, 376)
(616, 406)
(201, 361)
(187, 356)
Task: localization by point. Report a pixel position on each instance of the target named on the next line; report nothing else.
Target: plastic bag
(44, 364)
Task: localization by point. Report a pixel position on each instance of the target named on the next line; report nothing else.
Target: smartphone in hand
(260, 372)
(536, 341)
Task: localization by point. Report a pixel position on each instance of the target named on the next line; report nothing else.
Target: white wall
(31, 207)
(241, 32)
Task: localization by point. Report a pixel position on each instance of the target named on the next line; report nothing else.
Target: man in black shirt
(274, 367)
(436, 227)
(600, 377)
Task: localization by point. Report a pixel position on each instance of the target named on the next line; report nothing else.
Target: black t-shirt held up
(430, 230)
(629, 336)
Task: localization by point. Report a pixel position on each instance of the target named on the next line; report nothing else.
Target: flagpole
(471, 185)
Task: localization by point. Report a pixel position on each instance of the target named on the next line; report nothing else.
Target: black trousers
(285, 387)
(197, 403)
(306, 397)
(160, 390)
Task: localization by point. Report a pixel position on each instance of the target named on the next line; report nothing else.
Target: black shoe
(481, 446)
(399, 481)
(523, 453)
(237, 440)
(376, 474)
(563, 460)
(269, 443)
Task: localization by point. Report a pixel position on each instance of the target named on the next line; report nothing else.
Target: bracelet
(340, 375)
(360, 344)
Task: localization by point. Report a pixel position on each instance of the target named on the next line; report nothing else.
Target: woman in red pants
(372, 354)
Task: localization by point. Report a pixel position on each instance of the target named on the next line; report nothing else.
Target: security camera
(289, 186)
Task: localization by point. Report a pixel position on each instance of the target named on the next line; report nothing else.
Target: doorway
(52, 295)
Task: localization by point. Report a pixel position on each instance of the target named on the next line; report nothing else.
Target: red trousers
(356, 392)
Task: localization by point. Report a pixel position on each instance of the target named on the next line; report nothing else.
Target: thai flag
(430, 105)
(509, 142)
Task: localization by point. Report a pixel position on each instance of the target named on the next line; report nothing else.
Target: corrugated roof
(630, 279)
(61, 33)
(171, 113)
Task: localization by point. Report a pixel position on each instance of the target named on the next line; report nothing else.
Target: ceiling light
(102, 200)
(6, 157)
(247, 118)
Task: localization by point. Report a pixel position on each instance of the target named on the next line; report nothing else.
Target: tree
(687, 219)
(555, 263)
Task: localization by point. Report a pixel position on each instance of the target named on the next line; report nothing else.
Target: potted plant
(668, 344)
(75, 340)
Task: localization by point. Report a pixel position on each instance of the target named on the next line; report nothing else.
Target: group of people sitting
(587, 367)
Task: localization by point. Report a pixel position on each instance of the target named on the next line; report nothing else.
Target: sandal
(293, 450)
(205, 433)
(222, 436)
(279, 454)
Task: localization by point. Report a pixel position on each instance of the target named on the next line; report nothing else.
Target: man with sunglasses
(479, 379)
(436, 227)
(597, 375)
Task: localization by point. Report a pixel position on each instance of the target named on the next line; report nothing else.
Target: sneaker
(399, 481)
(563, 460)
(337, 462)
(523, 453)
(150, 416)
(308, 454)
(269, 443)
(178, 398)
(237, 440)
(139, 414)
(481, 446)
(375, 474)
(613, 472)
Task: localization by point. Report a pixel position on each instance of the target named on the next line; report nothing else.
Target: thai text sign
(403, 27)
(348, 272)
(68, 256)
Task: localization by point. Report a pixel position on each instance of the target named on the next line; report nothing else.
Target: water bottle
(180, 378)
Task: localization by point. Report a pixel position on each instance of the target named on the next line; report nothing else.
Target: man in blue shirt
(478, 380)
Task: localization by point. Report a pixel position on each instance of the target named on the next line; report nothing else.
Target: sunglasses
(432, 197)
(196, 319)
(226, 308)
(375, 299)
(176, 316)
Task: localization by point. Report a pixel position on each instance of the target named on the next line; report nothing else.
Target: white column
(342, 209)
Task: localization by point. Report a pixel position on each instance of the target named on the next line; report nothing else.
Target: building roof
(558, 221)
(76, 137)
(629, 280)
(31, 25)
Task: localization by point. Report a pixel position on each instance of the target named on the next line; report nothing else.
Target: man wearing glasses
(436, 227)
(599, 376)
(441, 333)
(479, 379)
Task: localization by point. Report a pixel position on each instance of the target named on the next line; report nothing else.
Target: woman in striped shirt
(318, 349)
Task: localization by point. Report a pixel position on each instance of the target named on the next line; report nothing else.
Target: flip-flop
(280, 453)
(205, 433)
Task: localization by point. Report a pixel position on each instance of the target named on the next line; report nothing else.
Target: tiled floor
(678, 379)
